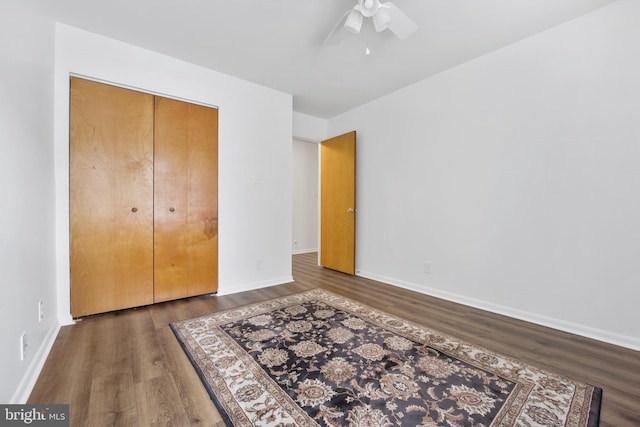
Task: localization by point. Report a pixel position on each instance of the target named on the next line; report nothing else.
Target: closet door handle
(134, 209)
(172, 209)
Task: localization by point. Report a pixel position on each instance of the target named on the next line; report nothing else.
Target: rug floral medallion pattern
(319, 359)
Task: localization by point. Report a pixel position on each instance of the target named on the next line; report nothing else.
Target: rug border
(595, 400)
(594, 407)
(207, 386)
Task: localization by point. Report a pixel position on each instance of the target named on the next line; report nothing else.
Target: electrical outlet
(427, 267)
(23, 346)
(258, 264)
(40, 310)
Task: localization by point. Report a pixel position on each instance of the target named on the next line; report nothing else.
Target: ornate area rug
(319, 359)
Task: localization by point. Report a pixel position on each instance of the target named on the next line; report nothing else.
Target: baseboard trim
(304, 251)
(234, 289)
(33, 372)
(550, 322)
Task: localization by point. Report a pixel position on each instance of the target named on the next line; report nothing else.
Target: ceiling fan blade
(401, 25)
(337, 33)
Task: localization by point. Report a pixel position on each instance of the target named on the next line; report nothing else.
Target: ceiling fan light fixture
(368, 8)
(385, 16)
(353, 24)
(382, 19)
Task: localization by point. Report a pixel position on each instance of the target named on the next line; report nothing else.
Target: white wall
(305, 196)
(309, 128)
(27, 216)
(254, 153)
(516, 176)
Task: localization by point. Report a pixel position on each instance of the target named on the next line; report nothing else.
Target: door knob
(351, 210)
(172, 209)
(134, 209)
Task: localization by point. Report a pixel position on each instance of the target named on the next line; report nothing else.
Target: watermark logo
(34, 415)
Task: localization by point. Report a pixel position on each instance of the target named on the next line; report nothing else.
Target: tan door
(111, 198)
(186, 203)
(338, 203)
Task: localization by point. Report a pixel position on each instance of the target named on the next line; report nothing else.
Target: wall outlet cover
(23, 346)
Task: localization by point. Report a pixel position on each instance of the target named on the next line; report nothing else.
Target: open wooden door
(338, 203)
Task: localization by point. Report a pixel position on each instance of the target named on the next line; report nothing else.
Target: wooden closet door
(186, 200)
(111, 197)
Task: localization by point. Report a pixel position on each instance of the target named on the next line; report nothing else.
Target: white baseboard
(67, 320)
(31, 376)
(228, 290)
(304, 251)
(550, 322)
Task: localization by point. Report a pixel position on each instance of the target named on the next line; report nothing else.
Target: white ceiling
(278, 43)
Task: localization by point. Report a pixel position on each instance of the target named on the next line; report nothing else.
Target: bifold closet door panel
(111, 197)
(185, 199)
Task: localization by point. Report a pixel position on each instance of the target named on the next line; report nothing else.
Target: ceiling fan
(384, 16)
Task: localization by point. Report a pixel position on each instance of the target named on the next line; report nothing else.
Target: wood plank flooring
(127, 369)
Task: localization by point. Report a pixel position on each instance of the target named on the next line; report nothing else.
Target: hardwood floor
(127, 368)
